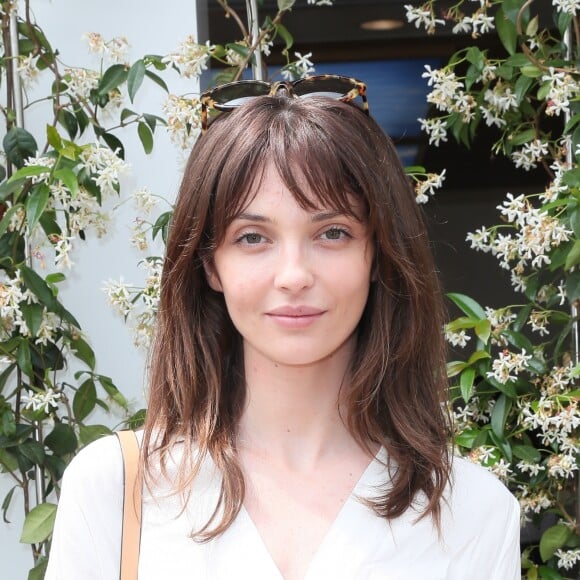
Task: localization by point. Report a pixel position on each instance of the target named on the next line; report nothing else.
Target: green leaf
(32, 314)
(38, 572)
(113, 392)
(61, 440)
(53, 137)
(531, 71)
(552, 539)
(5, 221)
(8, 461)
(84, 400)
(467, 305)
(126, 113)
(519, 340)
(6, 504)
(523, 84)
(90, 433)
(285, 35)
(112, 78)
(33, 451)
(38, 523)
(68, 177)
(503, 445)
(135, 78)
(29, 171)
(572, 177)
(462, 323)
(241, 49)
(527, 453)
(466, 383)
(573, 286)
(573, 256)
(162, 225)
(499, 415)
(532, 27)
(83, 351)
(157, 79)
(572, 123)
(36, 203)
(549, 573)
(478, 355)
(522, 137)
(483, 330)
(137, 419)
(23, 359)
(19, 145)
(455, 367)
(517, 60)
(285, 5)
(152, 120)
(45, 295)
(114, 144)
(506, 31)
(467, 438)
(146, 137)
(69, 122)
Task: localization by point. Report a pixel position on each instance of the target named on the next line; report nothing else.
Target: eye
(250, 239)
(335, 233)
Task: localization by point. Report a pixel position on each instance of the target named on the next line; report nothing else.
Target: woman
(296, 425)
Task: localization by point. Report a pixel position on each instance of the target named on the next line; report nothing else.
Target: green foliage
(514, 390)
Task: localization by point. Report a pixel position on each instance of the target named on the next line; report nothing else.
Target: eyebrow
(319, 217)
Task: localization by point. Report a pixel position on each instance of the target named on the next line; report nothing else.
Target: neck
(293, 413)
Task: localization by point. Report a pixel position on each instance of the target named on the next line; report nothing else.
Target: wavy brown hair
(397, 389)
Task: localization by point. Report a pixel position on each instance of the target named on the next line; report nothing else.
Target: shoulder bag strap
(131, 530)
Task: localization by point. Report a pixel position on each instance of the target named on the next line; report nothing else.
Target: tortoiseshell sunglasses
(231, 95)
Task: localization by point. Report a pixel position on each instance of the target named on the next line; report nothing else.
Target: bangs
(305, 154)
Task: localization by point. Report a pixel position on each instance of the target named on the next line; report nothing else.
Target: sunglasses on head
(232, 95)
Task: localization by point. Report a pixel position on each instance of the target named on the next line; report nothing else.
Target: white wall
(151, 27)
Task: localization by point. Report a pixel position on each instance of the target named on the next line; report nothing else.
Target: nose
(294, 269)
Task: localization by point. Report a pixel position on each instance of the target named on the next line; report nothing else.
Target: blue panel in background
(396, 93)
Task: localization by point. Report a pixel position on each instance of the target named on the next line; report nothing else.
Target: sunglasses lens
(333, 87)
(236, 94)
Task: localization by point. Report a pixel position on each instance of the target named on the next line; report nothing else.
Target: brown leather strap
(131, 531)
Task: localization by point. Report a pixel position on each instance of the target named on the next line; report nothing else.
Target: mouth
(295, 316)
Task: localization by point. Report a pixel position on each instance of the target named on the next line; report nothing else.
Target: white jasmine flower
(436, 129)
(144, 200)
(183, 120)
(459, 338)
(190, 57)
(479, 240)
(568, 6)
(80, 82)
(44, 400)
(508, 365)
(423, 16)
(538, 321)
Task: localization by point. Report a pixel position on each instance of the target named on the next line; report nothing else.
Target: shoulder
(470, 481)
(477, 499)
(100, 462)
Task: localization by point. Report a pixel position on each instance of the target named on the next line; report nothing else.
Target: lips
(295, 317)
(295, 311)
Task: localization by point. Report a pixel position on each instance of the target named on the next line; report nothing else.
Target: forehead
(271, 191)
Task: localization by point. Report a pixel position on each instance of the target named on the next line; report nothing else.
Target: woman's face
(295, 281)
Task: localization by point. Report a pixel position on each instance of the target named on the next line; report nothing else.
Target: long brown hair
(397, 389)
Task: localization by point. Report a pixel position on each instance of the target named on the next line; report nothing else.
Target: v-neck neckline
(353, 497)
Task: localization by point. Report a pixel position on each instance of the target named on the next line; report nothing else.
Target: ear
(211, 275)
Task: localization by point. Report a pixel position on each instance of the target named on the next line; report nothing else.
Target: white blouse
(480, 531)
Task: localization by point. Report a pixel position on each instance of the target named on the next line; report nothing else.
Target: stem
(264, 32)
(231, 12)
